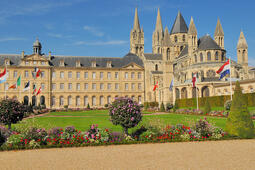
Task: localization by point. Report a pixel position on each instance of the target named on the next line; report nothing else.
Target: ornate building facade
(178, 54)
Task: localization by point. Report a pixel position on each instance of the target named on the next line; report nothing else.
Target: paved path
(236, 154)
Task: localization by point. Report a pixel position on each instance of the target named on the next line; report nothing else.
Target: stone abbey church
(176, 54)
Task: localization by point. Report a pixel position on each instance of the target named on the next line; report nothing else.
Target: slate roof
(70, 61)
(184, 51)
(207, 43)
(150, 56)
(15, 59)
(180, 25)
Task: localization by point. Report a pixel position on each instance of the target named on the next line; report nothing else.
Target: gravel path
(235, 154)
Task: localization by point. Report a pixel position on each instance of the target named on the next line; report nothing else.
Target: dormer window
(7, 62)
(78, 63)
(61, 63)
(109, 64)
(26, 63)
(94, 64)
(43, 63)
(35, 62)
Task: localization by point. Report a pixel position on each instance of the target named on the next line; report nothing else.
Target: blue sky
(102, 27)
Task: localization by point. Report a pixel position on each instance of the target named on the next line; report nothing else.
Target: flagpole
(230, 78)
(5, 81)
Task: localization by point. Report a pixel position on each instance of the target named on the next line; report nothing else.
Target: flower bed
(200, 112)
(69, 136)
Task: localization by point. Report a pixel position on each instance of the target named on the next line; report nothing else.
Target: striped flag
(3, 76)
(171, 85)
(156, 86)
(27, 86)
(39, 91)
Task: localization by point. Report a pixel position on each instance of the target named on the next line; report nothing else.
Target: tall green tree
(239, 122)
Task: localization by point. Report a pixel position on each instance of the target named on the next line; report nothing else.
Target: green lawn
(101, 118)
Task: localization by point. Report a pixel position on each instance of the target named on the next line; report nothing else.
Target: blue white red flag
(224, 70)
(171, 85)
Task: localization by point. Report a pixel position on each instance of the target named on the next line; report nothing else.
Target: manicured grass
(101, 118)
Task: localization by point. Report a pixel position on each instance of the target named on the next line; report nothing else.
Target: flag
(14, 86)
(194, 79)
(36, 72)
(156, 85)
(34, 89)
(39, 91)
(18, 81)
(224, 70)
(3, 76)
(27, 86)
(171, 85)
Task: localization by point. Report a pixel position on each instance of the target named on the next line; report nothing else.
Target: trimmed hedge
(214, 101)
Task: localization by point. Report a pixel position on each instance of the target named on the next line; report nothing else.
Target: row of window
(102, 86)
(94, 75)
(102, 100)
(27, 63)
(7, 85)
(209, 58)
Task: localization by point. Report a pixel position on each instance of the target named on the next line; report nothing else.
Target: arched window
(177, 93)
(195, 58)
(53, 101)
(69, 100)
(175, 39)
(158, 50)
(136, 50)
(61, 101)
(86, 100)
(42, 100)
(243, 56)
(108, 99)
(93, 100)
(101, 100)
(34, 101)
(133, 98)
(216, 55)
(208, 56)
(26, 100)
(78, 101)
(183, 38)
(201, 57)
(156, 67)
(223, 56)
(168, 53)
(181, 48)
(139, 99)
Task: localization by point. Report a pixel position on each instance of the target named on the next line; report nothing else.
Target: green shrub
(11, 111)
(106, 105)
(176, 106)
(207, 107)
(169, 106)
(66, 107)
(239, 122)
(227, 105)
(162, 107)
(88, 106)
(125, 112)
(146, 105)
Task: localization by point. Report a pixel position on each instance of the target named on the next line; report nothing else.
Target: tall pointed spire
(218, 29)
(180, 25)
(192, 27)
(242, 41)
(159, 26)
(136, 21)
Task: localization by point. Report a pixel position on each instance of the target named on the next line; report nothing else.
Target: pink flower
(132, 118)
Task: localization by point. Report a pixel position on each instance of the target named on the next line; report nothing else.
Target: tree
(207, 107)
(11, 111)
(125, 112)
(239, 122)
(162, 107)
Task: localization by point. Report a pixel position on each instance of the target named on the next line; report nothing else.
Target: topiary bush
(88, 106)
(207, 107)
(169, 106)
(11, 111)
(227, 105)
(239, 122)
(162, 107)
(125, 112)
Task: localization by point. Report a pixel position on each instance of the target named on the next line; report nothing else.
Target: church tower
(137, 37)
(157, 37)
(37, 47)
(219, 35)
(192, 37)
(242, 52)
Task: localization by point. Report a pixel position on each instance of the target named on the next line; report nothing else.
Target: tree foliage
(239, 122)
(207, 107)
(125, 112)
(11, 111)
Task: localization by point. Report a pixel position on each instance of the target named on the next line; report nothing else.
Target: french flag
(224, 70)
(3, 76)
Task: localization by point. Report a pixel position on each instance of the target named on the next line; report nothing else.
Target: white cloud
(59, 35)
(11, 39)
(95, 31)
(99, 43)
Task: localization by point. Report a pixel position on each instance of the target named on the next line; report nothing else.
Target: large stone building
(179, 54)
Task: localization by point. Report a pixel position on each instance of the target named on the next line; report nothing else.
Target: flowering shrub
(11, 111)
(16, 140)
(35, 134)
(4, 134)
(93, 133)
(125, 112)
